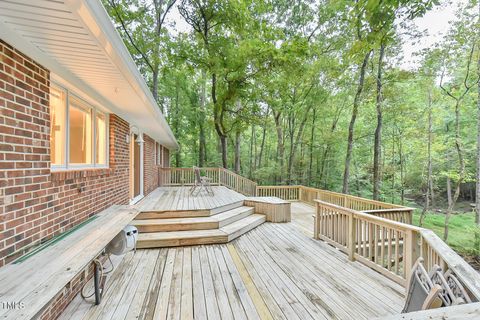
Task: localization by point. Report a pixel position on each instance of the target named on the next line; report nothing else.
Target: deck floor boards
(179, 198)
(275, 270)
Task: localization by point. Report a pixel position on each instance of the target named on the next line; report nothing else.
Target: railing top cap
(366, 216)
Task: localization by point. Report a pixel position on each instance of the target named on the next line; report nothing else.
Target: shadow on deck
(274, 271)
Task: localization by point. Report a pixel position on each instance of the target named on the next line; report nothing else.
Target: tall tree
(142, 23)
(458, 97)
(378, 130)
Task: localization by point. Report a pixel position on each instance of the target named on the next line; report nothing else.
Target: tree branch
(124, 27)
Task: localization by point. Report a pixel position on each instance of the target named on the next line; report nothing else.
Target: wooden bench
(33, 281)
(276, 209)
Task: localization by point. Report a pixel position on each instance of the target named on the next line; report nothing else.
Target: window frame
(157, 153)
(94, 111)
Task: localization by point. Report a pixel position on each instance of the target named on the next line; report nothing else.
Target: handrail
(309, 195)
(387, 246)
(218, 176)
(236, 182)
(375, 233)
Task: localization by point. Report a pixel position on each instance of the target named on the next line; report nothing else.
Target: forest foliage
(315, 92)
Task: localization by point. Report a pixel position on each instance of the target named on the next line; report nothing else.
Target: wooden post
(412, 250)
(316, 229)
(345, 202)
(300, 193)
(409, 217)
(352, 230)
(424, 253)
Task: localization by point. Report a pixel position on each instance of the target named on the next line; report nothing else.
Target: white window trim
(84, 104)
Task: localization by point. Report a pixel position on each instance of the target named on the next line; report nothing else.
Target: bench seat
(276, 209)
(33, 282)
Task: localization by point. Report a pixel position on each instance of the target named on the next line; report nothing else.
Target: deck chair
(457, 288)
(200, 183)
(421, 292)
(453, 293)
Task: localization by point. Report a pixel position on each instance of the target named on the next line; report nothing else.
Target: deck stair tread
(236, 229)
(188, 213)
(196, 237)
(193, 223)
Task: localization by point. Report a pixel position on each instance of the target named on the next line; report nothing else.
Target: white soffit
(77, 42)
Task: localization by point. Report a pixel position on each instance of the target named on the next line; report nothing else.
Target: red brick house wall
(35, 203)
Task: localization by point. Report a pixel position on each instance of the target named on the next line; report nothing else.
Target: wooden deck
(275, 271)
(179, 198)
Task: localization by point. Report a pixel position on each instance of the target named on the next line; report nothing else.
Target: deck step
(197, 237)
(157, 214)
(236, 229)
(193, 223)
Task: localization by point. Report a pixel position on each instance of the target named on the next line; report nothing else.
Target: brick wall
(150, 168)
(34, 203)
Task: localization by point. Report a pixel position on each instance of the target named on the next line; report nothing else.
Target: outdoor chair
(200, 183)
(420, 293)
(433, 290)
(453, 293)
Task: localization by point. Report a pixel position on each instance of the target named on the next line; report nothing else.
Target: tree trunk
(429, 162)
(402, 169)
(237, 152)
(202, 148)
(217, 117)
(280, 142)
(477, 183)
(310, 165)
(251, 161)
(262, 146)
(393, 166)
(327, 149)
(295, 144)
(378, 131)
(176, 122)
(449, 192)
(461, 172)
(356, 102)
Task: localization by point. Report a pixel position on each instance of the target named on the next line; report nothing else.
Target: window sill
(78, 173)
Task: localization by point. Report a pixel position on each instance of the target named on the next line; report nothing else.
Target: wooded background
(314, 92)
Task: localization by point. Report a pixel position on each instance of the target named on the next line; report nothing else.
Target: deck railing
(375, 233)
(225, 177)
(309, 195)
(218, 176)
(237, 182)
(185, 176)
(387, 246)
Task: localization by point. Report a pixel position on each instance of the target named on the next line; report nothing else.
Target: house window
(101, 139)
(58, 108)
(78, 132)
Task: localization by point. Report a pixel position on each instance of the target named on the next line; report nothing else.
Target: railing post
(352, 236)
(300, 193)
(345, 201)
(412, 250)
(409, 216)
(316, 229)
